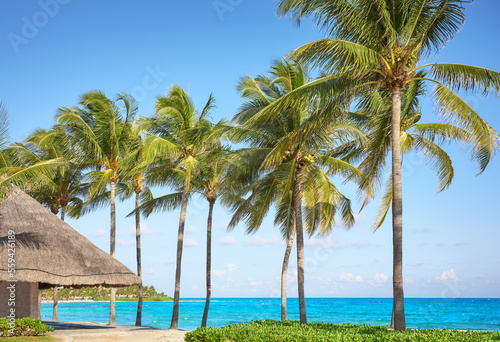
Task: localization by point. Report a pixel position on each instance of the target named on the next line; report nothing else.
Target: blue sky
(54, 50)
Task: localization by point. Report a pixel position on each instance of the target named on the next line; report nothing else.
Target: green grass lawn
(31, 339)
(293, 331)
(149, 299)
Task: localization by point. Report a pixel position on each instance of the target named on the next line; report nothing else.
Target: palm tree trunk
(112, 319)
(209, 263)
(397, 214)
(55, 298)
(284, 272)
(138, 319)
(40, 292)
(180, 241)
(297, 202)
(55, 309)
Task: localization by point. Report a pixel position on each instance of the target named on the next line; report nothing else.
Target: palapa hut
(48, 252)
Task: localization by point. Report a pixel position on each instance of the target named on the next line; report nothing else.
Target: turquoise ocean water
(423, 313)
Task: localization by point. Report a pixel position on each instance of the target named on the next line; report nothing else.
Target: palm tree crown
(177, 137)
(378, 45)
(291, 167)
(100, 129)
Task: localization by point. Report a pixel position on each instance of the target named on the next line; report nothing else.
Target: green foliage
(290, 331)
(283, 143)
(65, 190)
(24, 327)
(148, 299)
(103, 293)
(31, 339)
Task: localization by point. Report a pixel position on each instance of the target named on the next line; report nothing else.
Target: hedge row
(293, 331)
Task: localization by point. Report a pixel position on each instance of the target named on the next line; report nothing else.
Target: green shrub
(24, 327)
(293, 331)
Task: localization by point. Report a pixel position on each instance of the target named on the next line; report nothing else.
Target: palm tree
(63, 191)
(178, 135)
(213, 182)
(12, 168)
(134, 184)
(287, 153)
(374, 116)
(378, 45)
(100, 129)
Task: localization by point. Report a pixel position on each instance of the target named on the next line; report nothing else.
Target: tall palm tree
(287, 153)
(378, 45)
(178, 135)
(99, 128)
(133, 183)
(215, 180)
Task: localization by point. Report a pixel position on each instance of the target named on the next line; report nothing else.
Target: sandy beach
(84, 331)
(149, 336)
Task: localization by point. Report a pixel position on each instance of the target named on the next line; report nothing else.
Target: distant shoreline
(154, 299)
(123, 300)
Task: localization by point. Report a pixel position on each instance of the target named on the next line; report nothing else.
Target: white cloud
(329, 242)
(229, 268)
(350, 278)
(169, 262)
(121, 242)
(362, 244)
(409, 281)
(100, 232)
(150, 271)
(222, 225)
(191, 229)
(228, 240)
(144, 230)
(361, 218)
(256, 283)
(380, 277)
(258, 241)
(191, 243)
(448, 275)
(321, 242)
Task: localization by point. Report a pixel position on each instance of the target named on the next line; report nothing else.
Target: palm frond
(159, 204)
(467, 77)
(455, 110)
(384, 205)
(337, 56)
(438, 159)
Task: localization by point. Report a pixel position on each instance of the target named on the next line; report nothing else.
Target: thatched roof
(49, 251)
